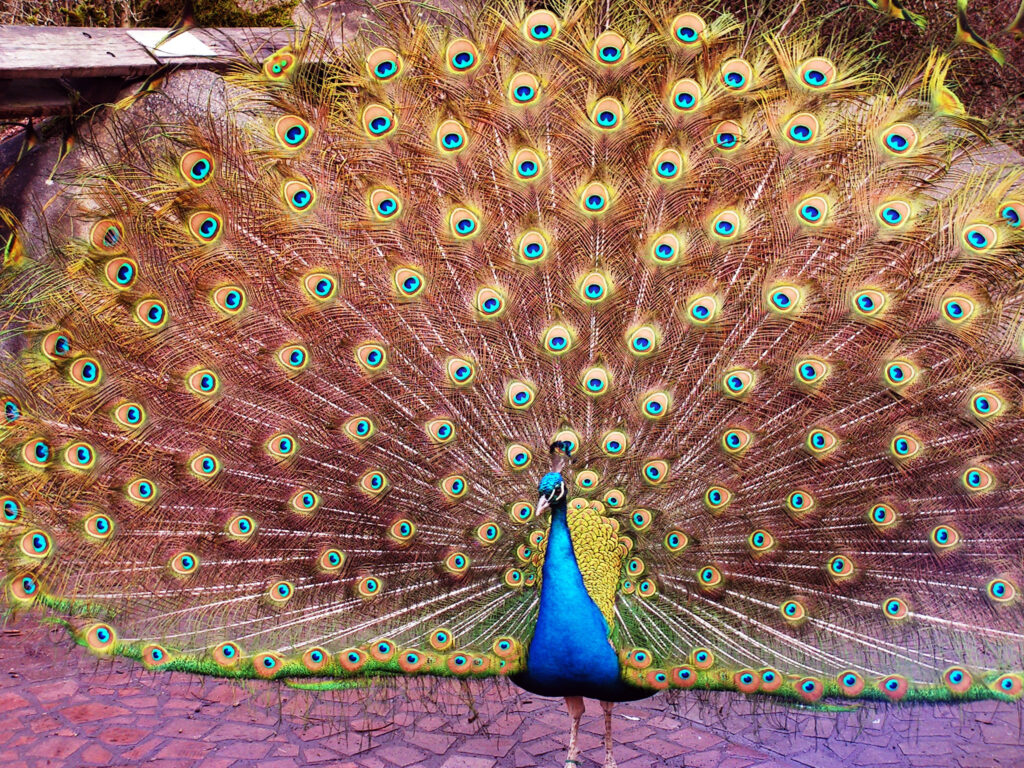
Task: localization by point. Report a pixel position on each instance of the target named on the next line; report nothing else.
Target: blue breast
(570, 654)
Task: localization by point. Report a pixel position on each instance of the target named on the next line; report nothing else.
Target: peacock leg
(609, 759)
(575, 706)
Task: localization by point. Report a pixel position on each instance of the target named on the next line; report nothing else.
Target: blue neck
(569, 653)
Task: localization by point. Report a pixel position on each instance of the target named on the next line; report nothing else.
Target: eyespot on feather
(717, 498)
(80, 455)
(331, 560)
(152, 313)
(905, 446)
(129, 415)
(320, 286)
(455, 486)
(460, 371)
(738, 382)
(315, 659)
(799, 502)
(802, 129)
(595, 381)
(205, 226)
(369, 586)
(957, 680)
(655, 405)
(899, 138)
(488, 533)
(614, 444)
(142, 491)
(518, 456)
(882, 515)
(229, 299)
(121, 272)
(360, 428)
(154, 656)
(371, 357)
(383, 64)
(702, 658)
(727, 136)
(607, 114)
(527, 165)
(839, 568)
(227, 655)
(685, 95)
(868, 302)
(523, 89)
(100, 638)
(850, 683)
(98, 526)
(666, 249)
(36, 544)
(267, 665)
(817, 73)
(521, 512)
(735, 441)
(820, 442)
(676, 541)
(703, 310)
(409, 282)
(205, 466)
(378, 121)
(737, 75)
(184, 563)
(490, 303)
(293, 358)
(893, 214)
(462, 56)
(557, 339)
(540, 26)
(895, 608)
(979, 238)
(197, 167)
(279, 64)
(812, 211)
(282, 446)
(784, 300)
(463, 224)
(726, 226)
(532, 248)
(587, 480)
(655, 471)
(36, 453)
(107, 236)
(440, 431)
(298, 195)
(594, 199)
(688, 30)
(374, 482)
(452, 137)
(457, 563)
(1011, 213)
(793, 611)
(609, 49)
(760, 541)
(352, 659)
(241, 527)
(56, 345)
(894, 687)
(305, 501)
(292, 132)
(86, 372)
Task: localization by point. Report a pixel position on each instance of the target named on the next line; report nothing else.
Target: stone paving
(60, 706)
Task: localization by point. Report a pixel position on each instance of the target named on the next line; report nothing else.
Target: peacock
(609, 347)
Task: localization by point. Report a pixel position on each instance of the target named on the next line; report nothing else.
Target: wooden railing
(56, 70)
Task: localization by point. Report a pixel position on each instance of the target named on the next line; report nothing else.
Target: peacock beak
(543, 505)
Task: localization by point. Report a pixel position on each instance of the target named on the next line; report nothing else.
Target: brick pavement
(60, 706)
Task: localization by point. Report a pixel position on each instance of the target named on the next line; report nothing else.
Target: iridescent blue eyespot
(687, 34)
(607, 118)
(380, 124)
(462, 60)
(12, 411)
(685, 100)
(896, 142)
(451, 140)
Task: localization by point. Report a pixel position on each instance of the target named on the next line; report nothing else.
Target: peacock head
(552, 489)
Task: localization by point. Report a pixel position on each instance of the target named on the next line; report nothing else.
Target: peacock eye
(726, 225)
(738, 382)
(736, 75)
(532, 247)
(205, 226)
(12, 409)
(727, 136)
(141, 491)
(893, 214)
(463, 224)
(440, 430)
(292, 131)
(607, 114)
(80, 455)
(130, 415)
(687, 29)
(540, 26)
(455, 486)
(557, 339)
(802, 128)
(610, 48)
(799, 503)
(685, 95)
(462, 56)
(1012, 212)
(518, 456)
(229, 299)
(371, 357)
(107, 236)
(655, 405)
(899, 138)
(523, 88)
(56, 345)
(643, 341)
(667, 165)
(818, 72)
(378, 121)
(594, 199)
(461, 372)
(904, 447)
(205, 466)
(979, 237)
(196, 167)
(614, 444)
(383, 64)
(298, 195)
(203, 382)
(282, 446)
(86, 372)
(869, 302)
(812, 210)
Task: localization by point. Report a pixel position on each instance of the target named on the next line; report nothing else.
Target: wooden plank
(71, 52)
